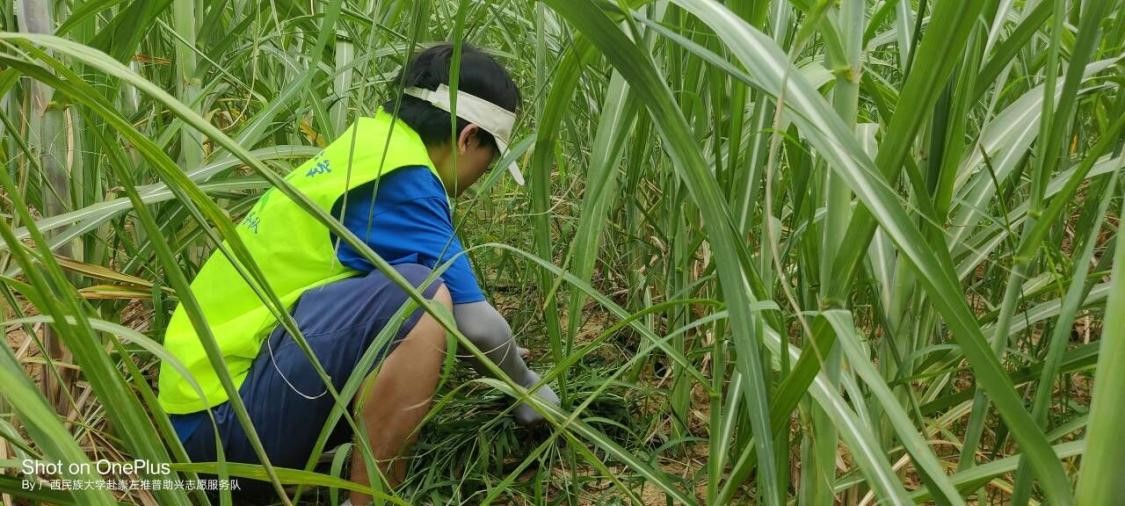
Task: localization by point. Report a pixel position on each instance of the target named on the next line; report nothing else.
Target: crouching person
(388, 179)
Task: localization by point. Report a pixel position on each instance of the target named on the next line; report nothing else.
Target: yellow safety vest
(293, 250)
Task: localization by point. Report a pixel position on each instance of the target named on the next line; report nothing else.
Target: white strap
(490, 117)
(494, 119)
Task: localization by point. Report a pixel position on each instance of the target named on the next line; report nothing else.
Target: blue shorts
(340, 321)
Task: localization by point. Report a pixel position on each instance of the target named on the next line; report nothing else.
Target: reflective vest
(294, 251)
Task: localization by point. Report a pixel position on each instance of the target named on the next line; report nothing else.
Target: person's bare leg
(393, 405)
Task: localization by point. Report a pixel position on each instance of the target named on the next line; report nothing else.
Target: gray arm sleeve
(489, 331)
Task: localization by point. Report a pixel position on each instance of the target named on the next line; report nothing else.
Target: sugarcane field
(562, 252)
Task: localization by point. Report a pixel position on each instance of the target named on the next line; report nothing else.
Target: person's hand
(525, 414)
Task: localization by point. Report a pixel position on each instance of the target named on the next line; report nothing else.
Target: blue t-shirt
(405, 218)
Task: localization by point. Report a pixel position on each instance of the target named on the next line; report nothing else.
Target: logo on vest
(322, 167)
(251, 221)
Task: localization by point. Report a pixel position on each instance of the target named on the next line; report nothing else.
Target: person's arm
(489, 331)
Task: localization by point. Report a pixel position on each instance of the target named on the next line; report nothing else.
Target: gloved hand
(525, 414)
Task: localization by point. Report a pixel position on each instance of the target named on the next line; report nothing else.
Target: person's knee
(431, 330)
(443, 296)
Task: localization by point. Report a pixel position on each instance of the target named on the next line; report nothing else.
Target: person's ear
(468, 138)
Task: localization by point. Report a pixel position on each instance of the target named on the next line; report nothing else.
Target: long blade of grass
(1099, 481)
(926, 463)
(691, 168)
(934, 267)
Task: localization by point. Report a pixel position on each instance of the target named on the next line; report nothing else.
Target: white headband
(490, 117)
